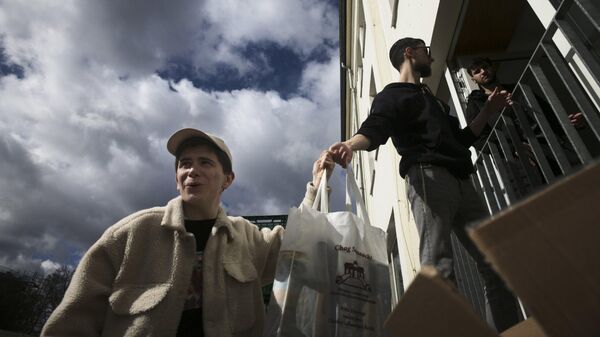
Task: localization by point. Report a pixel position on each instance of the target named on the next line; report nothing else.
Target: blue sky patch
(9, 68)
(279, 69)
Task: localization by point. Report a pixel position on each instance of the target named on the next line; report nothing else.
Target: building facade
(550, 51)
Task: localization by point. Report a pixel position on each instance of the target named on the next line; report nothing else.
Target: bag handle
(352, 189)
(322, 195)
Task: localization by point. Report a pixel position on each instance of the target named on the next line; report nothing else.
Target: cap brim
(180, 136)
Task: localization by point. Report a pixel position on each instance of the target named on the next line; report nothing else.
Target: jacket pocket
(133, 299)
(242, 294)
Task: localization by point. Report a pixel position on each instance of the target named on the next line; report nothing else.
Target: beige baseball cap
(182, 135)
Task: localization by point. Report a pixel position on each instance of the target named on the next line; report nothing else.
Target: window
(372, 181)
(394, 8)
(395, 264)
(360, 79)
(372, 89)
(362, 25)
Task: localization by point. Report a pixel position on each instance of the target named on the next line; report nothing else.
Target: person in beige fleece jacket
(184, 269)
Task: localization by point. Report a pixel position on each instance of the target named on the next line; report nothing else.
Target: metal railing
(534, 142)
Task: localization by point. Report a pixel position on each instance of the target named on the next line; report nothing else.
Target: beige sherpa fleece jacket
(133, 281)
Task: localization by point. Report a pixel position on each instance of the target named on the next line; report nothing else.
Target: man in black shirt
(484, 75)
(435, 163)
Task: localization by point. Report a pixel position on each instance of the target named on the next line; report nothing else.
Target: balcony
(533, 143)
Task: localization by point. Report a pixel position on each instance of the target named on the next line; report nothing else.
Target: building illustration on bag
(354, 276)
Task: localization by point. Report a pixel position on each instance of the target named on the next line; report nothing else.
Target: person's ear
(229, 177)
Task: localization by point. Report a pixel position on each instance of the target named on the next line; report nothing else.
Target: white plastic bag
(332, 275)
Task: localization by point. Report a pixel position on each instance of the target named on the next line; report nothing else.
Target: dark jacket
(475, 104)
(421, 129)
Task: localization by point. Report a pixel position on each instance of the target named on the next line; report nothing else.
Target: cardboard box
(547, 249)
(431, 307)
(527, 328)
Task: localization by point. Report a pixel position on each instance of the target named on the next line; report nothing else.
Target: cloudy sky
(90, 91)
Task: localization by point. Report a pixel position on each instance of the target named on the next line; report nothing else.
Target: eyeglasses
(428, 49)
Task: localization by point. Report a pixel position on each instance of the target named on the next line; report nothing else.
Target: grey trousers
(442, 203)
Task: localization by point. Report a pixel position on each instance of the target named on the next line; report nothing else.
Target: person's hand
(324, 163)
(498, 100)
(341, 153)
(577, 120)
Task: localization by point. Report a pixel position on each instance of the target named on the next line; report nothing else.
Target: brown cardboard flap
(547, 249)
(431, 308)
(527, 328)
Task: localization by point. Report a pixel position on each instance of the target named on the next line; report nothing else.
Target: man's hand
(325, 162)
(577, 120)
(341, 153)
(498, 100)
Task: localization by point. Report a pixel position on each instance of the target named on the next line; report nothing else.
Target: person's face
(422, 60)
(200, 177)
(483, 75)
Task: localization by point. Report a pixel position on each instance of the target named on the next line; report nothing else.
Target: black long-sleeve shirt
(475, 104)
(421, 129)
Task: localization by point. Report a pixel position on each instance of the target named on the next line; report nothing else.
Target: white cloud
(303, 24)
(80, 165)
(321, 81)
(48, 267)
(82, 145)
(137, 37)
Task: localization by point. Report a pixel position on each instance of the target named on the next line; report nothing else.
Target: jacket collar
(174, 219)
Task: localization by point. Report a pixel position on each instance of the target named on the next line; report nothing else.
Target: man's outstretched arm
(342, 151)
